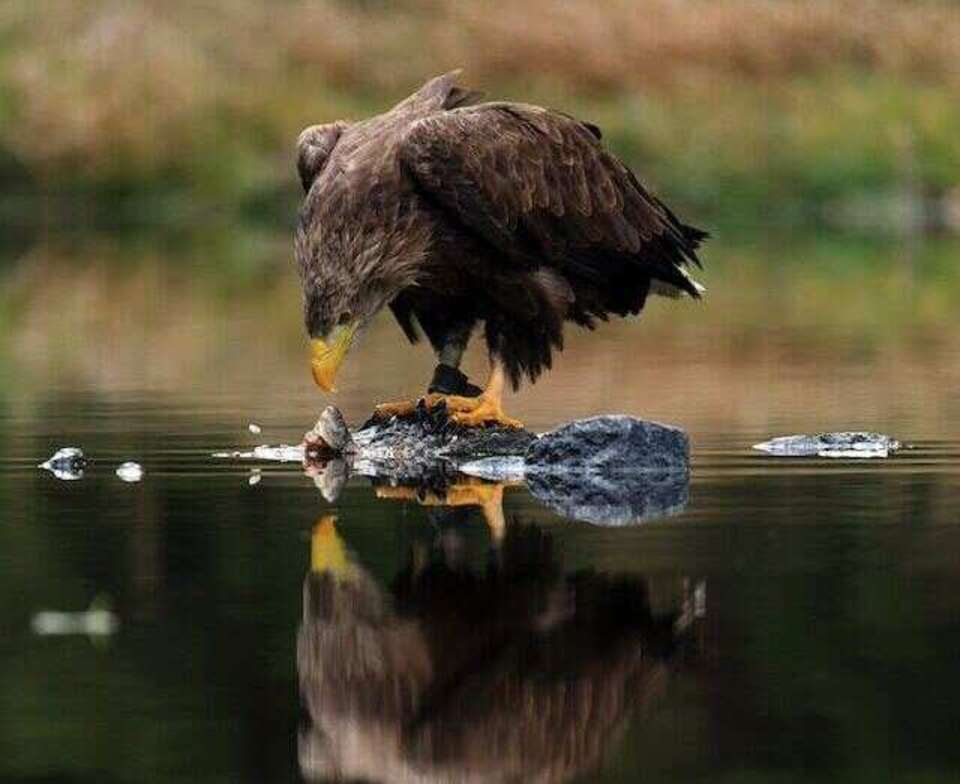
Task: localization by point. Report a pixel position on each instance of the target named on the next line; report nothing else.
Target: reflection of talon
(468, 492)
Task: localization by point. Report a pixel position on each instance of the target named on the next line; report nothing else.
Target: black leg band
(450, 381)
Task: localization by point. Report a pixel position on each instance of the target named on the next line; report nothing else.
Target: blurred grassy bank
(741, 111)
(830, 332)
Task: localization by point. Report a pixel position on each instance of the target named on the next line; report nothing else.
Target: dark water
(797, 621)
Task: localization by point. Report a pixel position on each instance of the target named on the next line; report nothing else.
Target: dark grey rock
(612, 446)
(66, 463)
(487, 443)
(428, 444)
(847, 444)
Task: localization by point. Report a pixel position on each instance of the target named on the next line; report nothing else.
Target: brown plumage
(454, 212)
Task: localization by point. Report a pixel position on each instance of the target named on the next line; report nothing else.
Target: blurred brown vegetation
(803, 337)
(710, 97)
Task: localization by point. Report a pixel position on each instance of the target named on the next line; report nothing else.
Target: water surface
(818, 618)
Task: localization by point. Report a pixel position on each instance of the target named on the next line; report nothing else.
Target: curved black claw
(450, 381)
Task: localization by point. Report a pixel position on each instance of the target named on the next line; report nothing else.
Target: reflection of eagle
(516, 673)
(454, 212)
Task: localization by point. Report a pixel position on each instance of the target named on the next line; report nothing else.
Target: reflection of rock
(329, 436)
(623, 500)
(611, 470)
(843, 444)
(519, 672)
(330, 478)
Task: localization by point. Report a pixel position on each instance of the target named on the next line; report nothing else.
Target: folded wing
(540, 187)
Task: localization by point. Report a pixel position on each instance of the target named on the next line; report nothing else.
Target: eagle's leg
(448, 379)
(485, 409)
(469, 492)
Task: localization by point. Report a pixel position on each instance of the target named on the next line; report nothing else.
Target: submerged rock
(846, 444)
(66, 463)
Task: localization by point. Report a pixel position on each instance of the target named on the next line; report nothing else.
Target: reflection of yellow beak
(327, 550)
(328, 354)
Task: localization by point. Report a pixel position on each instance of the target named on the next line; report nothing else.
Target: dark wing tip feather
(695, 235)
(695, 238)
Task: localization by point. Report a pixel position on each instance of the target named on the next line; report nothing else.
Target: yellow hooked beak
(327, 355)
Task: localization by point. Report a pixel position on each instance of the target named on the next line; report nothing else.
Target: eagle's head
(331, 332)
(338, 305)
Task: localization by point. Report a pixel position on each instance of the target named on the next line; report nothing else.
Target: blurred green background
(842, 112)
(147, 189)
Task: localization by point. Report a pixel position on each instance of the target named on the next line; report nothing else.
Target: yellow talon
(485, 409)
(396, 408)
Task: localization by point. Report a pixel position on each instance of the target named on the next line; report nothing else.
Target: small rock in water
(846, 444)
(130, 471)
(254, 428)
(255, 477)
(66, 463)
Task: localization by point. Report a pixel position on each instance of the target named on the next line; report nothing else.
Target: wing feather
(541, 188)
